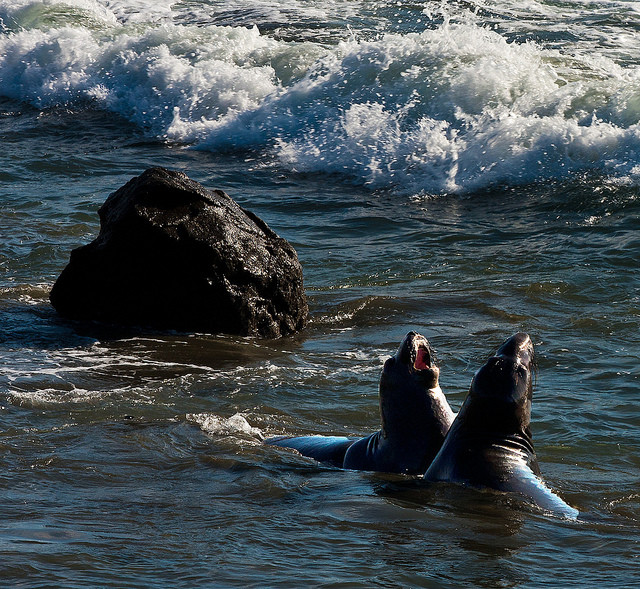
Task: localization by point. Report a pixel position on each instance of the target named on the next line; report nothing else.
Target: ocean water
(463, 169)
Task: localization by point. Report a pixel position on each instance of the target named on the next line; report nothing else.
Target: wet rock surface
(173, 255)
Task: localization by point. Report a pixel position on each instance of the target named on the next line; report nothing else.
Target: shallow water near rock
(464, 210)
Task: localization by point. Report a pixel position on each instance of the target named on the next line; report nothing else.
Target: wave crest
(455, 108)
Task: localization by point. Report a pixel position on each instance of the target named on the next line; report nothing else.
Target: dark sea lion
(415, 414)
(415, 419)
(489, 444)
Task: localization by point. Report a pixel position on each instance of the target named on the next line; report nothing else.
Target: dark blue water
(469, 175)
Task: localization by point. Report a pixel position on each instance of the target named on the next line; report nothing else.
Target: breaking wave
(456, 107)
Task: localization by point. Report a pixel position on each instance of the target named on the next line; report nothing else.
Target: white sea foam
(54, 397)
(225, 426)
(140, 10)
(455, 108)
(461, 109)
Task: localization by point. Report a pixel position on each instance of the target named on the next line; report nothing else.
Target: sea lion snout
(518, 347)
(416, 350)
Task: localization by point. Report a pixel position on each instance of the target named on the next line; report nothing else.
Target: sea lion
(489, 444)
(415, 419)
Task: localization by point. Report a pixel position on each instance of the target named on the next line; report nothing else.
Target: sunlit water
(467, 170)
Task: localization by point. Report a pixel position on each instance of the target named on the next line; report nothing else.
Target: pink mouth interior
(422, 360)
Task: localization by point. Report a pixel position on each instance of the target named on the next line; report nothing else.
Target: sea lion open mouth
(419, 351)
(420, 360)
(423, 358)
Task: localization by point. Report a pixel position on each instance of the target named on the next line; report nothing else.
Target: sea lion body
(414, 412)
(489, 444)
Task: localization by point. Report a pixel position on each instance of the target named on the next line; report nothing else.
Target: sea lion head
(414, 360)
(505, 382)
(408, 378)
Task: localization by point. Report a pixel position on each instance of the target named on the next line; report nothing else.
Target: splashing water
(457, 107)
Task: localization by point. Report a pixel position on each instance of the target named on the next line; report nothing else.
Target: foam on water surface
(457, 107)
(217, 425)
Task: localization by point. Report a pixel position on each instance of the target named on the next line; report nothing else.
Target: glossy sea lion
(415, 419)
(489, 444)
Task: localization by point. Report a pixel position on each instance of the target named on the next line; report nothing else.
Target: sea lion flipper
(525, 482)
(330, 449)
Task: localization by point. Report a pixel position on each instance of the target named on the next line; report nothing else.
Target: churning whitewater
(456, 107)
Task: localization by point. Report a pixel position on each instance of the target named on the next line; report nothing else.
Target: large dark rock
(173, 255)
